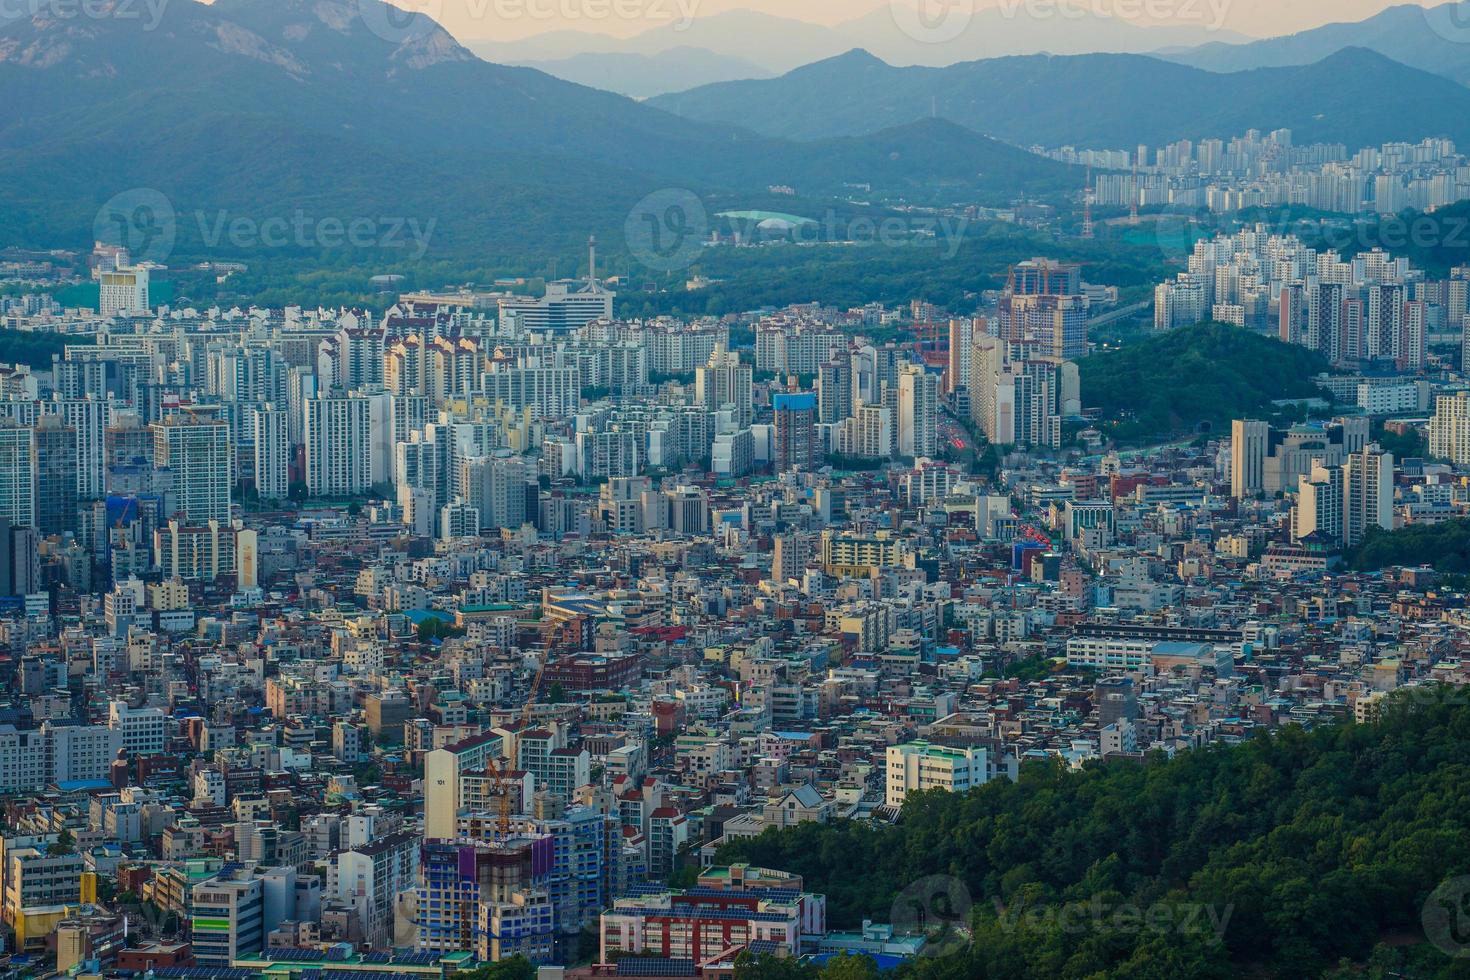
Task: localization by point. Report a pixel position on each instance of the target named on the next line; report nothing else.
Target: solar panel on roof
(648, 966)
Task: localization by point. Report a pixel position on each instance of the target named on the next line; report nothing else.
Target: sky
(507, 20)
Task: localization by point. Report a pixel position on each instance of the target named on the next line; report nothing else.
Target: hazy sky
(513, 19)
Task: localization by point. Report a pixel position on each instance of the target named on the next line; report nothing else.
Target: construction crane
(500, 771)
(501, 776)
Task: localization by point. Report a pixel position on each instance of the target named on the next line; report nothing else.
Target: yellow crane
(502, 776)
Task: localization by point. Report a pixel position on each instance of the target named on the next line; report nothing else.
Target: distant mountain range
(1435, 39)
(773, 45)
(640, 76)
(1354, 96)
(265, 108)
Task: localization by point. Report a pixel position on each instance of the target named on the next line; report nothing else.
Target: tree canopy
(1281, 856)
(1445, 546)
(1202, 376)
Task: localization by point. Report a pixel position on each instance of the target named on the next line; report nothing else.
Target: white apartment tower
(918, 412)
(1249, 443)
(269, 430)
(726, 381)
(338, 432)
(124, 290)
(1367, 491)
(196, 449)
(18, 475)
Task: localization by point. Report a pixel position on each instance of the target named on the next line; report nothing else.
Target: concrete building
(921, 766)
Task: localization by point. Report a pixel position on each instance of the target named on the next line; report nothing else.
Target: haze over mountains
(1355, 96)
(1436, 40)
(269, 107)
(736, 45)
(646, 63)
(264, 107)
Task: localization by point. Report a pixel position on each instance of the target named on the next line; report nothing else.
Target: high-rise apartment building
(796, 430)
(18, 475)
(338, 439)
(272, 448)
(56, 475)
(123, 290)
(789, 556)
(196, 450)
(1319, 504)
(1367, 493)
(726, 381)
(1249, 442)
(918, 412)
(834, 390)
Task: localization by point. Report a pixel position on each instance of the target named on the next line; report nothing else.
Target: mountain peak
(848, 63)
(857, 56)
(298, 37)
(407, 38)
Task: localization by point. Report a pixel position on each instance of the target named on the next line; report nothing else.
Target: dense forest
(1293, 854)
(1194, 379)
(1444, 546)
(33, 348)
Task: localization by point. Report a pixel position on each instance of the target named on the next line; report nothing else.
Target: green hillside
(33, 348)
(1280, 857)
(1194, 379)
(1354, 96)
(1444, 546)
